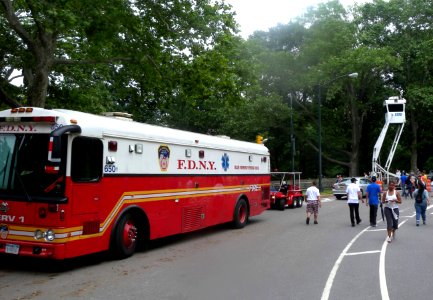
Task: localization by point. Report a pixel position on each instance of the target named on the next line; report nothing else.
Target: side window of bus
(86, 164)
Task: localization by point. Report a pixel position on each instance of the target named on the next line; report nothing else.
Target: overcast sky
(255, 15)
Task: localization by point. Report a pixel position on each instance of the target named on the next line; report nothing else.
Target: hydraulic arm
(394, 114)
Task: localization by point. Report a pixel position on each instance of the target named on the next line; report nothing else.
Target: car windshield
(22, 167)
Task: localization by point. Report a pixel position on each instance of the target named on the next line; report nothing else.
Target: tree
(404, 27)
(312, 51)
(72, 45)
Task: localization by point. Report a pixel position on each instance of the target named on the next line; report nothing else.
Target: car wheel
(338, 197)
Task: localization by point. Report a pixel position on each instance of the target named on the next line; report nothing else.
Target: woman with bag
(421, 202)
(391, 199)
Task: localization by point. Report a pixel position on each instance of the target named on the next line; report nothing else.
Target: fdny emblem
(225, 161)
(4, 207)
(4, 230)
(164, 157)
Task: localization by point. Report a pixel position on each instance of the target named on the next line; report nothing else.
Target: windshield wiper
(18, 174)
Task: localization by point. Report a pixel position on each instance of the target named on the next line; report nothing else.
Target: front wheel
(241, 214)
(300, 202)
(282, 203)
(125, 237)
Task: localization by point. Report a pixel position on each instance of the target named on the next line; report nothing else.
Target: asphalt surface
(276, 256)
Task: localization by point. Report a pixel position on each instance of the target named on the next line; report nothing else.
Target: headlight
(49, 235)
(38, 234)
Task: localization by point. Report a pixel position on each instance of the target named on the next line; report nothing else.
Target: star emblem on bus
(225, 161)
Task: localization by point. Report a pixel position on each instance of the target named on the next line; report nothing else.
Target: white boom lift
(394, 114)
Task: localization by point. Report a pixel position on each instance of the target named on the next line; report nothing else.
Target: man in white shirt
(353, 196)
(313, 202)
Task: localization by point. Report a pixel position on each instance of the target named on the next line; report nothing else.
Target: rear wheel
(241, 214)
(338, 197)
(125, 237)
(300, 202)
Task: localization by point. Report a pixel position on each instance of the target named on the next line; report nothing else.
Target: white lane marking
(330, 281)
(372, 230)
(382, 275)
(333, 273)
(362, 253)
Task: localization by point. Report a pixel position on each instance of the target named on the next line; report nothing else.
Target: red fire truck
(286, 190)
(73, 183)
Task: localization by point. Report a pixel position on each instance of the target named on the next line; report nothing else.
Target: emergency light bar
(40, 119)
(22, 109)
(22, 118)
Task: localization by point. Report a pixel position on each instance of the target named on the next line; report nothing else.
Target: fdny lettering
(17, 128)
(7, 218)
(195, 165)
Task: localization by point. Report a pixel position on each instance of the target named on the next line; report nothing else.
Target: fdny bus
(73, 183)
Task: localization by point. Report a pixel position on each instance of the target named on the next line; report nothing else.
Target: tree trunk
(37, 91)
(38, 83)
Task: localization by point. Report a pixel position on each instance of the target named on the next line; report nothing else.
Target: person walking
(372, 198)
(403, 178)
(423, 178)
(313, 202)
(353, 196)
(409, 185)
(421, 202)
(391, 199)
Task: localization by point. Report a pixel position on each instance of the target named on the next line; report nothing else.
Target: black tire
(293, 205)
(241, 214)
(124, 239)
(281, 204)
(338, 197)
(300, 202)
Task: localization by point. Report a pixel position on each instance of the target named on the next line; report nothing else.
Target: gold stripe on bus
(120, 203)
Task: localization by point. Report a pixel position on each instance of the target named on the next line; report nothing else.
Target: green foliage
(180, 64)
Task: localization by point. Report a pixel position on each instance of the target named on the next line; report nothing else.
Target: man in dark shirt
(403, 183)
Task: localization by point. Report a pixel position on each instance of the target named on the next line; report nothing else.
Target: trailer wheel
(125, 237)
(281, 204)
(294, 203)
(241, 214)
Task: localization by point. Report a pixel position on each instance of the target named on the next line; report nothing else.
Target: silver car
(339, 188)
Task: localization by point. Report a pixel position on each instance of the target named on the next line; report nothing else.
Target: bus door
(86, 175)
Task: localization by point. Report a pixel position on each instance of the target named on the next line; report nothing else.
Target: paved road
(277, 256)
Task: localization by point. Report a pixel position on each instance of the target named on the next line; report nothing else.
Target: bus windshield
(23, 158)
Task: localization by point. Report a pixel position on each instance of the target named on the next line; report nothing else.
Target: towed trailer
(286, 190)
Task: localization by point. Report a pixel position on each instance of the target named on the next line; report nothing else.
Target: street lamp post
(351, 75)
(292, 136)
